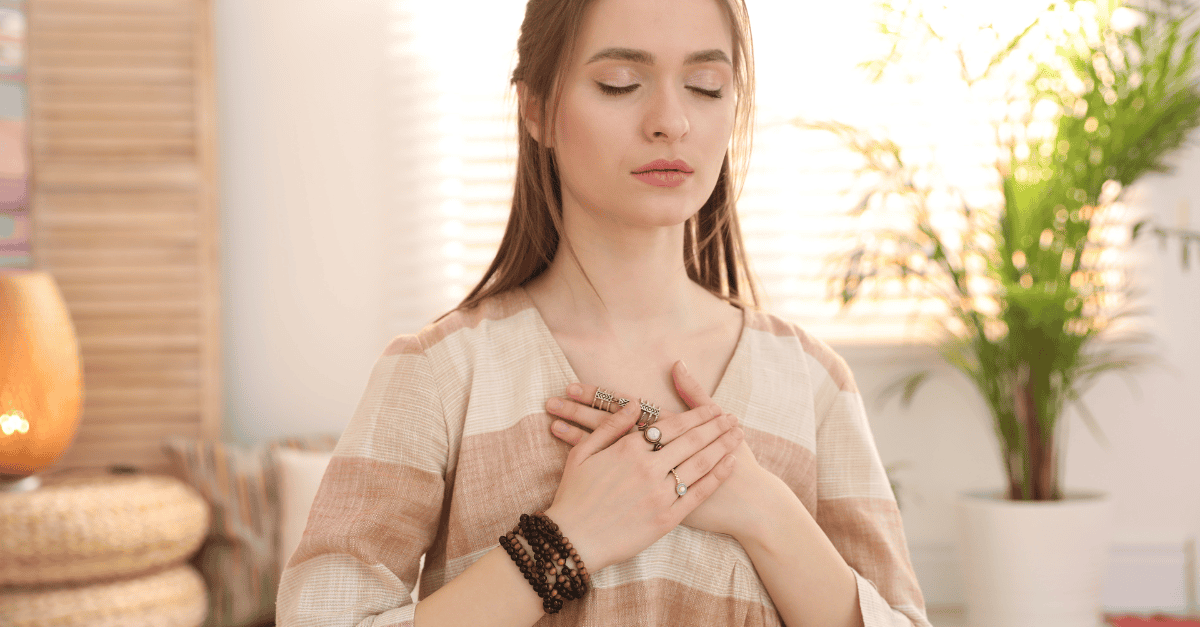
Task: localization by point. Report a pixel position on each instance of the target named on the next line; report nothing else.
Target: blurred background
(366, 155)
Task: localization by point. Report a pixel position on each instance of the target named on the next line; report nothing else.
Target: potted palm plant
(1034, 299)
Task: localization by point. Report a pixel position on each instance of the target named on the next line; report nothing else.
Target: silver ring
(653, 435)
(603, 399)
(680, 487)
(649, 415)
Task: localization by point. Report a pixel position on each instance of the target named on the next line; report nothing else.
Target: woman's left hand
(730, 509)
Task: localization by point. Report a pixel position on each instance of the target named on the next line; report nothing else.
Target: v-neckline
(732, 370)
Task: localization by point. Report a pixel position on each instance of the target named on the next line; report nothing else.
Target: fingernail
(560, 426)
(554, 404)
(682, 367)
(575, 389)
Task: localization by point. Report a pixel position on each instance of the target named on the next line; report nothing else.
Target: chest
(644, 371)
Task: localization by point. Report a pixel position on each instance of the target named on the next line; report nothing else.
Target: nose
(666, 119)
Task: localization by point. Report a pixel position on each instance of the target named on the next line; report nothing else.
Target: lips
(663, 173)
(662, 165)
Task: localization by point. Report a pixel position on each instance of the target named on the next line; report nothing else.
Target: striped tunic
(450, 445)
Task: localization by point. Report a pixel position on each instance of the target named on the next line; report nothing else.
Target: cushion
(169, 597)
(90, 525)
(240, 558)
(300, 474)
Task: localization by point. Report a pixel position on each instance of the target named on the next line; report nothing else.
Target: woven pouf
(98, 526)
(174, 597)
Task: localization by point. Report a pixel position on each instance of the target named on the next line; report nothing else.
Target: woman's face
(647, 110)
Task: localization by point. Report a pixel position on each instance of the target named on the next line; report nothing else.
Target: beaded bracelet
(547, 570)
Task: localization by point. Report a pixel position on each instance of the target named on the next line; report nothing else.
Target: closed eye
(711, 93)
(613, 90)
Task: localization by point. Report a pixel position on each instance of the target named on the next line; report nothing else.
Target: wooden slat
(130, 292)
(143, 413)
(54, 259)
(58, 97)
(109, 433)
(125, 395)
(144, 454)
(119, 339)
(124, 274)
(83, 148)
(163, 377)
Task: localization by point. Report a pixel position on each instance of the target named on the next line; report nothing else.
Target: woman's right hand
(617, 495)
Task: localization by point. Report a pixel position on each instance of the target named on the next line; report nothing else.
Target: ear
(530, 112)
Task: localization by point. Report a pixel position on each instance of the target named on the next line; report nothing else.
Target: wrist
(589, 551)
(752, 524)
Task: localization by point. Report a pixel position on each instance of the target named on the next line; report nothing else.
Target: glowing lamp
(40, 382)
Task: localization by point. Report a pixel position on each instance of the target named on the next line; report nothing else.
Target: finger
(679, 424)
(696, 440)
(699, 491)
(569, 409)
(607, 432)
(707, 458)
(688, 387)
(567, 432)
(586, 394)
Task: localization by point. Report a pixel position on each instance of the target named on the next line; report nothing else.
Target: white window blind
(454, 136)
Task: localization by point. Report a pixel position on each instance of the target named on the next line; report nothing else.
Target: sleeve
(855, 504)
(378, 506)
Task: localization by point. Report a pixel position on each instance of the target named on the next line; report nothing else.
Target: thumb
(688, 387)
(608, 431)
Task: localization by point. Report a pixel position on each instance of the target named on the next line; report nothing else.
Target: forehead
(669, 29)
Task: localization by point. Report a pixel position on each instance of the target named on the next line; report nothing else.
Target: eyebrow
(645, 58)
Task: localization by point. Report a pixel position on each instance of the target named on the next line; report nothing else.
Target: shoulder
(465, 325)
(775, 333)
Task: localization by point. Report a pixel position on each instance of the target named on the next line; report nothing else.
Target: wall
(301, 181)
(301, 173)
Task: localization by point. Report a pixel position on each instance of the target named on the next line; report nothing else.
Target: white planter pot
(1034, 563)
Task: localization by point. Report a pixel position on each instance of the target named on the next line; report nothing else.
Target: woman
(622, 261)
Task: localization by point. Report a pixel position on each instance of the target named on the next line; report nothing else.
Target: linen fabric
(240, 555)
(451, 444)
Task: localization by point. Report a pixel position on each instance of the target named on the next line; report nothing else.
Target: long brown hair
(713, 252)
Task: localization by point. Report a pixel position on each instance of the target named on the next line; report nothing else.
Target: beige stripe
(315, 594)
(848, 463)
(869, 534)
(376, 512)
(496, 308)
(831, 362)
(511, 373)
(399, 419)
(776, 391)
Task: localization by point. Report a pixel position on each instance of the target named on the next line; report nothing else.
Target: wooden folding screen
(125, 214)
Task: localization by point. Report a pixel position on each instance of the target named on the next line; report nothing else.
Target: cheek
(581, 133)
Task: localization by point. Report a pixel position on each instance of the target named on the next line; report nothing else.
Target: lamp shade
(40, 381)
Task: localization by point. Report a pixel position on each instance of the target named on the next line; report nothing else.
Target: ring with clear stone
(680, 487)
(653, 435)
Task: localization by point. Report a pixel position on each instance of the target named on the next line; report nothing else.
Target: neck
(639, 279)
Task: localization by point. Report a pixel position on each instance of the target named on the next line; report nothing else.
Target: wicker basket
(174, 597)
(92, 527)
